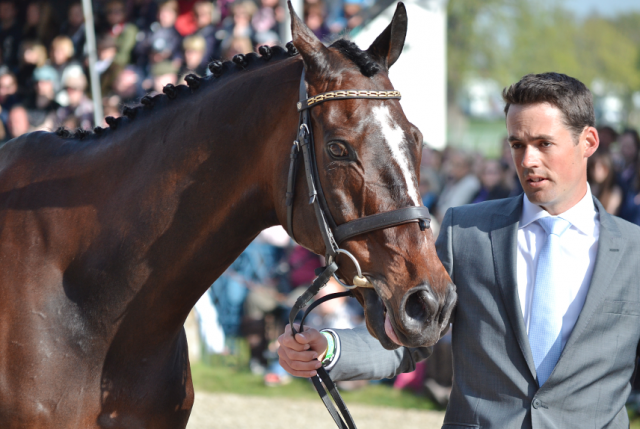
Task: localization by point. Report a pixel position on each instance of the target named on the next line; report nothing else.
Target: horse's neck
(210, 168)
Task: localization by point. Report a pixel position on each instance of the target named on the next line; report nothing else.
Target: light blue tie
(545, 327)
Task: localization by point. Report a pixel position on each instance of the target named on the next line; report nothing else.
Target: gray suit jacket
(495, 382)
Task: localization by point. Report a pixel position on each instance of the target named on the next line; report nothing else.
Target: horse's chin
(375, 318)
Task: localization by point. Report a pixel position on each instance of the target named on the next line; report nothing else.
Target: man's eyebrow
(538, 137)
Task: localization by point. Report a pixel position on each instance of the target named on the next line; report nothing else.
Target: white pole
(90, 33)
(285, 27)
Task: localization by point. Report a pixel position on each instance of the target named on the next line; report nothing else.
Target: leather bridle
(332, 234)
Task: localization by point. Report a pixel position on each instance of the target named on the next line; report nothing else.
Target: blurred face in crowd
(599, 170)
(457, 166)
(61, 51)
(126, 83)
(18, 121)
(315, 18)
(167, 15)
(33, 14)
(193, 58)
(628, 148)
(115, 13)
(163, 80)
(203, 12)
(75, 15)
(7, 13)
(45, 88)
(492, 174)
(8, 86)
(75, 89)
(34, 54)
(551, 162)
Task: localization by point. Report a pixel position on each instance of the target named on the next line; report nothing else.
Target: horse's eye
(338, 150)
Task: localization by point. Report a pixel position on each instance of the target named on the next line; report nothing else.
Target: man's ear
(386, 49)
(591, 141)
(314, 53)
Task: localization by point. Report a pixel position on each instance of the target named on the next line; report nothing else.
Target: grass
(230, 374)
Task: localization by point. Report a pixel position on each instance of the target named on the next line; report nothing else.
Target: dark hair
(569, 95)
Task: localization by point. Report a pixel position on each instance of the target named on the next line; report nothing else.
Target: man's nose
(529, 158)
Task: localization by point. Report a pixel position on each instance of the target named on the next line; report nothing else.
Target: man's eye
(337, 150)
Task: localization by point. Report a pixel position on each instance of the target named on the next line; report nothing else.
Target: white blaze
(395, 139)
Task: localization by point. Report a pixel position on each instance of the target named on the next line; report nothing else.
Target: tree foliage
(506, 39)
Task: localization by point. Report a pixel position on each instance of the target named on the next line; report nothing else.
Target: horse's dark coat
(107, 240)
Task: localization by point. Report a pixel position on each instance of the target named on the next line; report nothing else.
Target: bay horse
(108, 239)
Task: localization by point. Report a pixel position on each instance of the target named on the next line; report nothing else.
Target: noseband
(334, 235)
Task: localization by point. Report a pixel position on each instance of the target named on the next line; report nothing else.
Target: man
(546, 328)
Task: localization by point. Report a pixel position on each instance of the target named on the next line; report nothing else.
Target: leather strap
(381, 221)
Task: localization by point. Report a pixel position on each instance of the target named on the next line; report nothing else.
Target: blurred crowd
(142, 45)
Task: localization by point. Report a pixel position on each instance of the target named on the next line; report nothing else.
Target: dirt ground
(222, 411)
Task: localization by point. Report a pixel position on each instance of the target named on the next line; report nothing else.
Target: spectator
(204, 12)
(107, 68)
(10, 33)
(461, 184)
(602, 179)
(32, 55)
(492, 178)
(352, 13)
(162, 42)
(268, 17)
(128, 85)
(629, 150)
(608, 136)
(238, 25)
(194, 52)
(41, 106)
(163, 73)
(8, 93)
(142, 13)
(78, 106)
(62, 56)
(40, 23)
(73, 28)
(268, 38)
(315, 16)
(123, 32)
(18, 122)
(235, 46)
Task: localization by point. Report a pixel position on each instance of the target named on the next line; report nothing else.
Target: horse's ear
(388, 46)
(310, 47)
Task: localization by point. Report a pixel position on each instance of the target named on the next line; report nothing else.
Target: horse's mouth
(380, 324)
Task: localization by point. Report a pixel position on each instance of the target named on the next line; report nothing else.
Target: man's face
(552, 168)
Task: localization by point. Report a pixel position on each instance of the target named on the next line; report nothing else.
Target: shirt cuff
(336, 354)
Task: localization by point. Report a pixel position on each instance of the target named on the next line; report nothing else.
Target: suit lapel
(504, 245)
(610, 250)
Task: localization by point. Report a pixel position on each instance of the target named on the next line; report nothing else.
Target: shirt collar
(581, 216)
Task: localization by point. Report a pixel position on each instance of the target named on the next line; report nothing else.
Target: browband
(346, 95)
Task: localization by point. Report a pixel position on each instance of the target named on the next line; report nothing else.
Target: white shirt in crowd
(578, 256)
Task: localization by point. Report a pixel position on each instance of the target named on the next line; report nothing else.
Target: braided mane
(240, 62)
(218, 68)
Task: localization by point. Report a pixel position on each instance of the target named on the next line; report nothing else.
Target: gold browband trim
(343, 95)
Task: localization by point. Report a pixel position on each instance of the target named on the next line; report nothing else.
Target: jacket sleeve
(363, 358)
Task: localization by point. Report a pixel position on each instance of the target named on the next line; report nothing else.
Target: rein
(332, 234)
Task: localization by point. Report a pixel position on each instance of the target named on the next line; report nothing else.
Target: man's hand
(299, 356)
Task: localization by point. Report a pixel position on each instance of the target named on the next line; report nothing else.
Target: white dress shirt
(578, 256)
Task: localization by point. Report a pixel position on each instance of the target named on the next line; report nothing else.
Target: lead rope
(322, 375)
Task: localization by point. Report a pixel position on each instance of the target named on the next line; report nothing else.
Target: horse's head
(368, 157)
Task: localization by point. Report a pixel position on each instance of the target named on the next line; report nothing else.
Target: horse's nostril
(420, 307)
